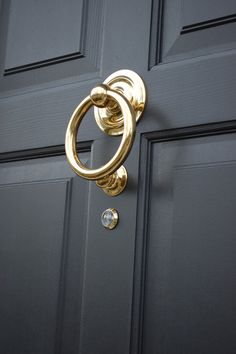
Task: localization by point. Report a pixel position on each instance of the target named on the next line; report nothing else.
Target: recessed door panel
(41, 256)
(189, 296)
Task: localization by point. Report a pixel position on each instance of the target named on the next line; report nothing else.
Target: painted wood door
(163, 281)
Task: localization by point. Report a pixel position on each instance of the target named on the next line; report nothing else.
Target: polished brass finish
(110, 177)
(115, 183)
(109, 97)
(111, 118)
(110, 218)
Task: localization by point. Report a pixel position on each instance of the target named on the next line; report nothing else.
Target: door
(163, 281)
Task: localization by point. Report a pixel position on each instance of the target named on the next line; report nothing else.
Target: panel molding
(208, 24)
(155, 46)
(168, 43)
(62, 283)
(42, 63)
(142, 225)
(49, 151)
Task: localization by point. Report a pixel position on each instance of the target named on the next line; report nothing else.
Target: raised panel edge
(141, 245)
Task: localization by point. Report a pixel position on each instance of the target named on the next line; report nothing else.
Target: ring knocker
(119, 103)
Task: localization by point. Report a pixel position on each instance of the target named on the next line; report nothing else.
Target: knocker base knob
(114, 184)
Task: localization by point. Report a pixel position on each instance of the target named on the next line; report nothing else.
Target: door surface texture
(164, 280)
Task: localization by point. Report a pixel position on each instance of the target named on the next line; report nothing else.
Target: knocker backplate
(128, 83)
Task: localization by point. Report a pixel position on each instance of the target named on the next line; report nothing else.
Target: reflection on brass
(112, 177)
(111, 118)
(115, 183)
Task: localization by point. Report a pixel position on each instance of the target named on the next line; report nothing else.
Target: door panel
(59, 47)
(40, 236)
(189, 288)
(197, 28)
(163, 279)
(58, 38)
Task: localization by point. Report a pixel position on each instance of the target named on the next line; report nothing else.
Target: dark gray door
(163, 281)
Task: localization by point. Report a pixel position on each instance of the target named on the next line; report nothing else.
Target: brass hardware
(110, 218)
(115, 183)
(112, 177)
(110, 119)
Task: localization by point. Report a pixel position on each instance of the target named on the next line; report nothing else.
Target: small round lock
(110, 218)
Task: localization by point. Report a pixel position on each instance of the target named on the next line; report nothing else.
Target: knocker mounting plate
(110, 119)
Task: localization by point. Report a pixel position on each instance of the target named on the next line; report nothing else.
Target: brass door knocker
(119, 103)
